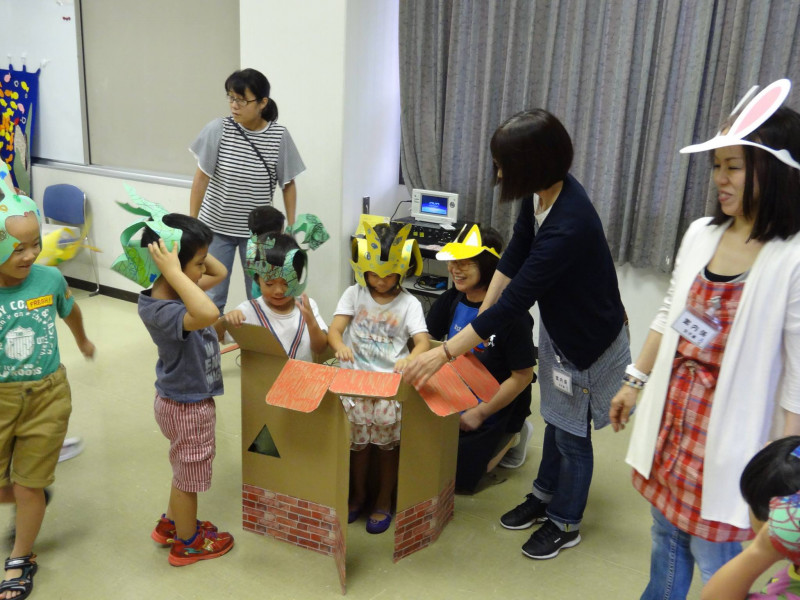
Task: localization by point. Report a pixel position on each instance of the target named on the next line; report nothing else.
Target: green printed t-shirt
(28, 324)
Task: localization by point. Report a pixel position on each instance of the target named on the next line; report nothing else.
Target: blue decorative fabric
(19, 97)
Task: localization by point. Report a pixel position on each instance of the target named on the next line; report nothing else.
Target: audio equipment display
(434, 207)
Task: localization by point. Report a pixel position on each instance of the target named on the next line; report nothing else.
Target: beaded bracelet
(633, 382)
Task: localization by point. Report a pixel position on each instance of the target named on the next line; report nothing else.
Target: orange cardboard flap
(300, 386)
(476, 376)
(445, 393)
(349, 382)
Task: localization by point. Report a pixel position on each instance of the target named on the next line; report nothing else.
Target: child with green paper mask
(278, 266)
(35, 400)
(172, 254)
(179, 317)
(770, 484)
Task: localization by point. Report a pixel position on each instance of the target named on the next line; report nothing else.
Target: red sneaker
(164, 532)
(206, 545)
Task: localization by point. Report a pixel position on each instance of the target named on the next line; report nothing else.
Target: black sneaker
(548, 540)
(526, 514)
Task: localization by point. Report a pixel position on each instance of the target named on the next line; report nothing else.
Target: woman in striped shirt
(241, 159)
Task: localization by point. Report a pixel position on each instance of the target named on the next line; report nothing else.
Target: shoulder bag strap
(273, 180)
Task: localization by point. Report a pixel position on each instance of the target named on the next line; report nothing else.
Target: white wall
(300, 47)
(333, 67)
(642, 292)
(371, 153)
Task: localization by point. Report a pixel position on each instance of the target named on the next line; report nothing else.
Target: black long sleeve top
(567, 268)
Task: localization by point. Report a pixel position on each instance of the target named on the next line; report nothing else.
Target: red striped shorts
(189, 427)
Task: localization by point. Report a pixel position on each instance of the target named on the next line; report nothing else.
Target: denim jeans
(565, 474)
(223, 248)
(673, 555)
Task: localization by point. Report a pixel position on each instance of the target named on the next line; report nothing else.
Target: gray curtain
(633, 81)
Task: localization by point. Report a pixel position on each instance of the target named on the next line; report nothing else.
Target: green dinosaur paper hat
(314, 232)
(256, 264)
(12, 205)
(136, 263)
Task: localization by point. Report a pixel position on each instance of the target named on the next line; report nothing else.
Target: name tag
(562, 381)
(696, 329)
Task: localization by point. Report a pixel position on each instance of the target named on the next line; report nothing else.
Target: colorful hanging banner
(19, 95)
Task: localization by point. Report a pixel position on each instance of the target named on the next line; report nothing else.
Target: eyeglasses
(239, 102)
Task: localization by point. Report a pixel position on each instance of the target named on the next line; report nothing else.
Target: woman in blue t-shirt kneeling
(509, 355)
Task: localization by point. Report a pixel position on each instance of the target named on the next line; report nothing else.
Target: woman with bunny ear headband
(721, 363)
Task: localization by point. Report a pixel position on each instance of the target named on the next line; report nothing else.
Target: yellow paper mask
(469, 247)
(366, 253)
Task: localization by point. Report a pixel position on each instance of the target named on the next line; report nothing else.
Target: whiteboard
(46, 31)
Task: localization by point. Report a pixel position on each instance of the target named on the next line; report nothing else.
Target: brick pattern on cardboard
(294, 520)
(420, 525)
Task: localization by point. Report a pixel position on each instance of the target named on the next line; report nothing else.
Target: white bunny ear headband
(758, 110)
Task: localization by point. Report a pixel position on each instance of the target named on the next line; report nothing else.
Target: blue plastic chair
(66, 204)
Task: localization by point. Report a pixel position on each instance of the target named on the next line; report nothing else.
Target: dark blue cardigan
(567, 268)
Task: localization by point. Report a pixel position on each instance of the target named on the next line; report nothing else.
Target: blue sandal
(24, 583)
(374, 526)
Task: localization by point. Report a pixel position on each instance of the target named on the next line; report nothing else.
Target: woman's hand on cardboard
(419, 370)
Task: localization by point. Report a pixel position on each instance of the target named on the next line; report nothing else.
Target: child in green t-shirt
(35, 401)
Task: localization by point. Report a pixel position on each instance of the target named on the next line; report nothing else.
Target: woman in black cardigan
(558, 256)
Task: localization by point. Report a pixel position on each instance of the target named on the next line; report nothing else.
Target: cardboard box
(296, 446)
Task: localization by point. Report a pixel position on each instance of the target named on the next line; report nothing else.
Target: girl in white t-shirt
(278, 265)
(371, 327)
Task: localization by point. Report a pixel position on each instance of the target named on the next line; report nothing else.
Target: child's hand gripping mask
(12, 205)
(366, 254)
(136, 263)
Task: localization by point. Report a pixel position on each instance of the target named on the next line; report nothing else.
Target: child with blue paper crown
(371, 327)
(35, 400)
(770, 484)
(172, 255)
(278, 265)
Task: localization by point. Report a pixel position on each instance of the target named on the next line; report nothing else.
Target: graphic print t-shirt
(28, 324)
(379, 333)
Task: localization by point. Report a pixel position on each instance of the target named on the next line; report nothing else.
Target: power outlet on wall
(365, 205)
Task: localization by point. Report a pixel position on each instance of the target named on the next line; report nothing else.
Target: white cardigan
(760, 368)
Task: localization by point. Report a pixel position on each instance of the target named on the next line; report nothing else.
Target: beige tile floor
(95, 542)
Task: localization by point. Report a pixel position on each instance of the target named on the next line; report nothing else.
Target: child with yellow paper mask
(371, 327)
